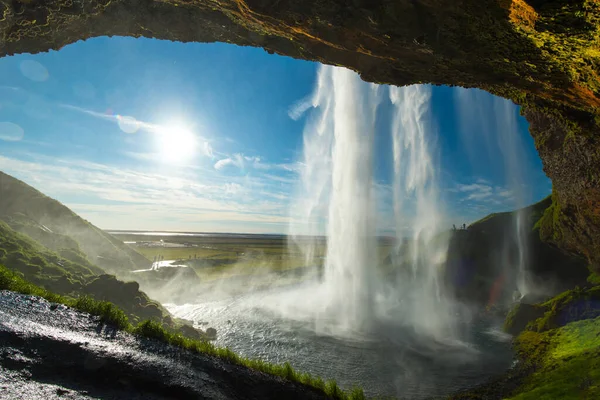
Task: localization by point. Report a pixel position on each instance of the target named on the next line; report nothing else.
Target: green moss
(569, 306)
(594, 278)
(520, 315)
(567, 360)
(549, 224)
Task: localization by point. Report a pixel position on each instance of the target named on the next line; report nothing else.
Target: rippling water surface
(388, 360)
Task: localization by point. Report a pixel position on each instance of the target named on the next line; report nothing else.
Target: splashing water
(338, 197)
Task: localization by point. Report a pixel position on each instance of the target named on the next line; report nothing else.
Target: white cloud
(120, 198)
(221, 164)
(233, 188)
(127, 124)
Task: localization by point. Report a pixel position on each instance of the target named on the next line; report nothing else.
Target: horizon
(167, 136)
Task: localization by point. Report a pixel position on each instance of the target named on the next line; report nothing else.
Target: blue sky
(147, 134)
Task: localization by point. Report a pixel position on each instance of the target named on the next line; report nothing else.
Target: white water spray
(511, 148)
(504, 139)
(338, 192)
(416, 195)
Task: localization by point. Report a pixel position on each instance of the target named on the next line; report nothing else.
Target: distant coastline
(196, 234)
(277, 236)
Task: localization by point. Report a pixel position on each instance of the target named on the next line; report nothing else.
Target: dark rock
(534, 298)
(521, 315)
(211, 333)
(477, 258)
(191, 332)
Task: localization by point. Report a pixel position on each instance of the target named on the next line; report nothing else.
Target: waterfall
(337, 197)
(504, 139)
(416, 201)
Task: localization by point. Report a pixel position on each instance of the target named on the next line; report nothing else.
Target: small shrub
(108, 312)
(153, 330)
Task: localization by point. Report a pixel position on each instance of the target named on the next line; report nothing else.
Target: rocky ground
(49, 351)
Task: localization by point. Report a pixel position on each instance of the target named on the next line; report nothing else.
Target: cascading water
(380, 322)
(338, 191)
(337, 183)
(511, 149)
(416, 194)
(505, 140)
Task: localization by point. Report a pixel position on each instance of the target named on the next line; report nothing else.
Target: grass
(216, 258)
(569, 306)
(114, 316)
(567, 359)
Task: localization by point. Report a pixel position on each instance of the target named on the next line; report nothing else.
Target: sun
(176, 144)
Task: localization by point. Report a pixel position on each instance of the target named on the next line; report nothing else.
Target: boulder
(211, 333)
(521, 315)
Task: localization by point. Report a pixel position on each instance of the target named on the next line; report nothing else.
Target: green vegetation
(215, 258)
(549, 223)
(50, 223)
(114, 316)
(594, 278)
(108, 312)
(572, 305)
(36, 261)
(476, 253)
(567, 361)
(47, 269)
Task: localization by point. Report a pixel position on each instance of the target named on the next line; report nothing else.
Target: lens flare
(176, 144)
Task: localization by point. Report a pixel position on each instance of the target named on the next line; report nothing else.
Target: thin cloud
(225, 162)
(127, 123)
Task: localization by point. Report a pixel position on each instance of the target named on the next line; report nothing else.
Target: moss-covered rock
(125, 295)
(570, 306)
(520, 316)
(482, 259)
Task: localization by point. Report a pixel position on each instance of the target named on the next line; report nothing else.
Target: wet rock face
(537, 53)
(50, 351)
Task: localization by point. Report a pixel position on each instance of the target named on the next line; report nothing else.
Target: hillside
(58, 274)
(482, 258)
(46, 220)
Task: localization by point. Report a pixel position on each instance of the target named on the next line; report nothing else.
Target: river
(390, 360)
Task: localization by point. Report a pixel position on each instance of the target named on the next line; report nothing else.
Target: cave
(541, 54)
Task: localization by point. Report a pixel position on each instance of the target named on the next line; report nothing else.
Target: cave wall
(542, 54)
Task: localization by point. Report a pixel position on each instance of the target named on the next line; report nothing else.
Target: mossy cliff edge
(542, 54)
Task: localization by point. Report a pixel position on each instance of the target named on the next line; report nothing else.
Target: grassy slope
(55, 273)
(559, 354)
(498, 221)
(46, 220)
(113, 315)
(567, 362)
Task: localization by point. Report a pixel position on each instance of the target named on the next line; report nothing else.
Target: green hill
(482, 259)
(52, 247)
(46, 220)
(58, 274)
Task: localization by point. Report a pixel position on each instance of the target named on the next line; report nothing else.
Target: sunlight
(176, 144)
